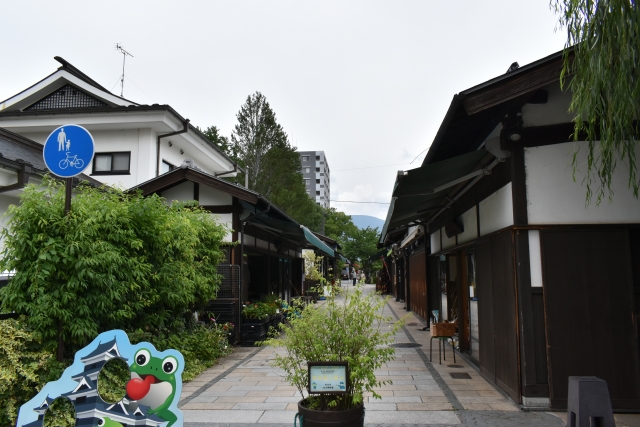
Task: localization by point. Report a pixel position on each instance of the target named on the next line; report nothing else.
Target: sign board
(328, 377)
(68, 150)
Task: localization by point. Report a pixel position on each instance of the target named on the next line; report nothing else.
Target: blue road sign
(68, 150)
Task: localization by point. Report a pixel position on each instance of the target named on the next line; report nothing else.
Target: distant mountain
(364, 221)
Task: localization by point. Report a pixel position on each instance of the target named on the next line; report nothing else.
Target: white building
(133, 142)
(317, 176)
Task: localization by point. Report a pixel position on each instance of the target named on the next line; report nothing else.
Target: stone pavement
(243, 390)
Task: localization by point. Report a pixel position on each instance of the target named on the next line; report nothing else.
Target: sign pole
(68, 151)
(68, 186)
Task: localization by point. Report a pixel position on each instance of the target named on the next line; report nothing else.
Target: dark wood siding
(539, 341)
(634, 240)
(484, 279)
(497, 311)
(588, 304)
(418, 286)
(433, 285)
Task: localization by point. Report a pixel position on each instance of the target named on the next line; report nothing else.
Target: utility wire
(352, 201)
(150, 97)
(370, 167)
(419, 155)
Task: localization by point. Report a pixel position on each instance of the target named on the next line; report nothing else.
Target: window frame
(111, 172)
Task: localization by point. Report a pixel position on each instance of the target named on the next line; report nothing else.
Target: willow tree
(602, 54)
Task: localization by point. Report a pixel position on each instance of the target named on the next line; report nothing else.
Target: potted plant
(255, 322)
(349, 327)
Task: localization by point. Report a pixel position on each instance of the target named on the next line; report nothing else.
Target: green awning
(421, 192)
(319, 244)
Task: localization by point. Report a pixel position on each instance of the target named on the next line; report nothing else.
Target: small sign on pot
(328, 377)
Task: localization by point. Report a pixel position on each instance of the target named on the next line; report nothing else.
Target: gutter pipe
(184, 130)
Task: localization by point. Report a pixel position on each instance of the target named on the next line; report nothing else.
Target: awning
(377, 255)
(418, 231)
(312, 239)
(421, 191)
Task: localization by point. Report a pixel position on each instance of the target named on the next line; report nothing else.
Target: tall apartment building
(315, 171)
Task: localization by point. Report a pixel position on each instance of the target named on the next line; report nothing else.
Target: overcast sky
(367, 82)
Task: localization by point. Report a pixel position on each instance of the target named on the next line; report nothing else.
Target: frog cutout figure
(152, 393)
(153, 383)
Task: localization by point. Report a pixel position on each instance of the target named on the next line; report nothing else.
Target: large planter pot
(353, 417)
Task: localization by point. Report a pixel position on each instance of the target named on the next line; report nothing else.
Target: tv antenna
(124, 53)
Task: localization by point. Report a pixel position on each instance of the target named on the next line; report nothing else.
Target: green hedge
(25, 366)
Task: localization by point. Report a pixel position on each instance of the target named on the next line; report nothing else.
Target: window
(317, 193)
(111, 163)
(322, 163)
(307, 181)
(306, 170)
(317, 181)
(317, 169)
(166, 167)
(321, 174)
(322, 186)
(305, 158)
(317, 157)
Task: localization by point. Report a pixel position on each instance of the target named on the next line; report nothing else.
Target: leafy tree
(360, 246)
(255, 134)
(115, 261)
(339, 226)
(221, 141)
(602, 53)
(262, 148)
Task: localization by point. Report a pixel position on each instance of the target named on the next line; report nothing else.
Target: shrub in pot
(349, 327)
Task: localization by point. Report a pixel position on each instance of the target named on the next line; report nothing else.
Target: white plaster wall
(5, 202)
(146, 155)
(248, 240)
(555, 111)
(469, 221)
(8, 177)
(446, 241)
(496, 211)
(181, 192)
(214, 197)
(119, 140)
(535, 258)
(227, 221)
(554, 198)
(435, 242)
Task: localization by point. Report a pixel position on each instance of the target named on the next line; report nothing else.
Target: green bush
(116, 261)
(201, 346)
(350, 327)
(25, 367)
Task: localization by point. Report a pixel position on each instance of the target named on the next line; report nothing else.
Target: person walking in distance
(353, 276)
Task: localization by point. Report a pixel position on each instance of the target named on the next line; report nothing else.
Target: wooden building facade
(541, 285)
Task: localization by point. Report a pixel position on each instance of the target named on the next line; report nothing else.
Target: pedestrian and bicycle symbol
(68, 150)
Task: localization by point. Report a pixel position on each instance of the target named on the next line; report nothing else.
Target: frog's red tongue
(138, 388)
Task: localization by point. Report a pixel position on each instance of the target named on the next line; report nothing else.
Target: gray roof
(21, 150)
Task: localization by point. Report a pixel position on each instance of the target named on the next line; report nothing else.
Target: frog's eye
(142, 357)
(169, 365)
(100, 421)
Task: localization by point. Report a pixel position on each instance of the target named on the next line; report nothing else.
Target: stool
(588, 403)
(442, 351)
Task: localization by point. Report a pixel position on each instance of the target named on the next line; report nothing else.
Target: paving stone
(431, 406)
(261, 406)
(253, 387)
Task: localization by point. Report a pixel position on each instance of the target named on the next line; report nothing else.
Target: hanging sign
(68, 150)
(328, 377)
